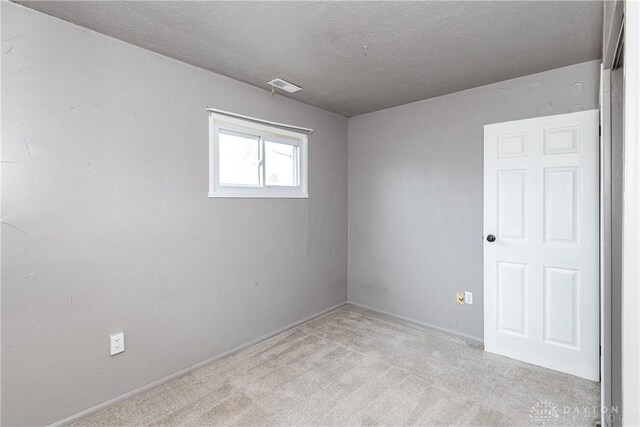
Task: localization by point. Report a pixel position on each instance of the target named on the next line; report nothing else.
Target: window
(256, 160)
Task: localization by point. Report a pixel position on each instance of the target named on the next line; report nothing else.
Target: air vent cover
(285, 85)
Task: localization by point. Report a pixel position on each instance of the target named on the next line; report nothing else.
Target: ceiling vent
(285, 85)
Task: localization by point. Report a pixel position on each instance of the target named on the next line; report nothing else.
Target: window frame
(274, 134)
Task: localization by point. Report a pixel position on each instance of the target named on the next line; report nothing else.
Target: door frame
(605, 241)
(613, 42)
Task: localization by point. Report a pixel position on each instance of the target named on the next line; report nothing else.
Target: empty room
(320, 213)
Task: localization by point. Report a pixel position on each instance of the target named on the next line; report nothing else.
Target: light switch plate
(459, 298)
(116, 343)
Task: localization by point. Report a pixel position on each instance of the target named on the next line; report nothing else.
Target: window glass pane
(239, 159)
(281, 163)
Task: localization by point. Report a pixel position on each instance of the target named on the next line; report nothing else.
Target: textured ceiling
(415, 50)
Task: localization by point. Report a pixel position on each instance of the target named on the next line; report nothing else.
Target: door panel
(511, 202)
(512, 294)
(541, 272)
(560, 196)
(560, 306)
(561, 140)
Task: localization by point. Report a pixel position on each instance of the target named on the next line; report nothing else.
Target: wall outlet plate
(459, 298)
(468, 297)
(116, 343)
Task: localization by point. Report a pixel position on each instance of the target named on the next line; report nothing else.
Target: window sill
(257, 195)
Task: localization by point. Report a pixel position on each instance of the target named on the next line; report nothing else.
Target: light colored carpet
(356, 367)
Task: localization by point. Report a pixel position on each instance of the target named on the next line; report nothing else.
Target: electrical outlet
(459, 298)
(468, 297)
(116, 343)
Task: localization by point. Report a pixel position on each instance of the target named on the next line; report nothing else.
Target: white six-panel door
(541, 297)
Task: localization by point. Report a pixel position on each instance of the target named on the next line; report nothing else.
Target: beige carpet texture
(356, 367)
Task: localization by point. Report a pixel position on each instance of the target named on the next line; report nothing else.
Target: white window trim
(216, 190)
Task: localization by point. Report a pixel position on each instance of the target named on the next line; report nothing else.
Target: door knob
(491, 238)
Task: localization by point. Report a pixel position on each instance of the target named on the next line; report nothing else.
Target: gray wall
(108, 227)
(415, 193)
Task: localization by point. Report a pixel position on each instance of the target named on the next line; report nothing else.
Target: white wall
(631, 221)
(108, 227)
(415, 193)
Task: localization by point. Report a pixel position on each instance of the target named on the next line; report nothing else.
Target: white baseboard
(104, 405)
(418, 322)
